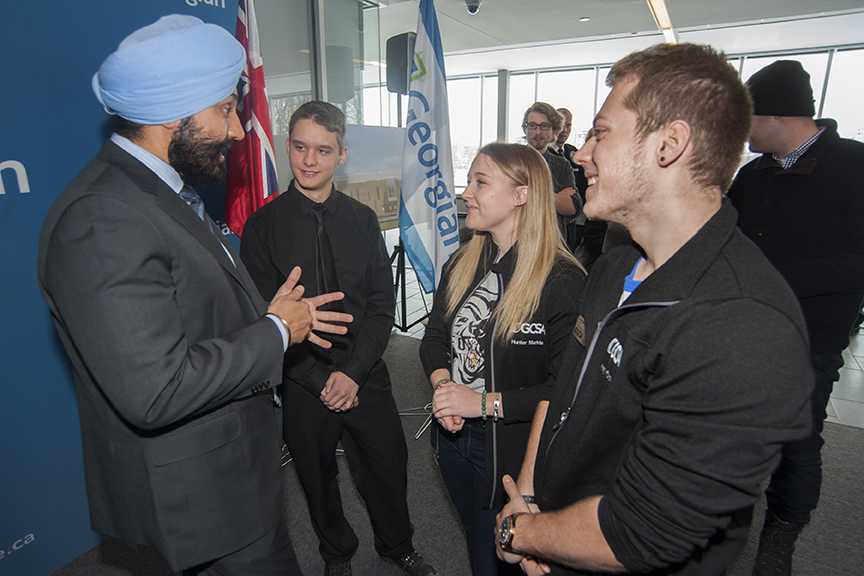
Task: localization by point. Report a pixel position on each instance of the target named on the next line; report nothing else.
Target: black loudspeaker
(400, 57)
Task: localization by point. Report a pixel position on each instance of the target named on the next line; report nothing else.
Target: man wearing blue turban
(173, 351)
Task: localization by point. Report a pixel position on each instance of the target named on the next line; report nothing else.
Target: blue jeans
(462, 459)
(794, 488)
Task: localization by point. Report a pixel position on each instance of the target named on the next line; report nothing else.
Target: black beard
(196, 157)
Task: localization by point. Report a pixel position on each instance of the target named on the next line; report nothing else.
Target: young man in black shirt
(345, 388)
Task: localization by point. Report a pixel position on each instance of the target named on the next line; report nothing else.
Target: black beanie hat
(782, 89)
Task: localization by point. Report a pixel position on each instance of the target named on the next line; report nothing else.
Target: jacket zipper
(492, 385)
(588, 355)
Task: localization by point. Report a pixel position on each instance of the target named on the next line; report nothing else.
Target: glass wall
(523, 93)
(843, 98)
(353, 74)
(286, 48)
(583, 91)
(473, 104)
(356, 79)
(576, 90)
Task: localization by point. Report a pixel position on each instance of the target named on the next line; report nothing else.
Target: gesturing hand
(302, 314)
(321, 318)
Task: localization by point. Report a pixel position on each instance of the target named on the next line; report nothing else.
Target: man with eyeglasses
(541, 124)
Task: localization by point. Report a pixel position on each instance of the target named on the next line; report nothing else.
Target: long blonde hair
(539, 242)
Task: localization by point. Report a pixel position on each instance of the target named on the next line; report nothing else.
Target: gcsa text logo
(532, 329)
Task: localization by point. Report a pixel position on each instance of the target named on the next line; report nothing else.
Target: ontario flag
(251, 162)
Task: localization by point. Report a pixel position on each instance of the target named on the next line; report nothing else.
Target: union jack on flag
(251, 162)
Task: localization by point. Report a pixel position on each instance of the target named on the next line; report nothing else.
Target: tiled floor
(845, 407)
(847, 400)
(417, 304)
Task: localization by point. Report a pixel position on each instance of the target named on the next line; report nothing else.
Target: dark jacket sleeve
(562, 174)
(712, 430)
(562, 177)
(435, 347)
(129, 320)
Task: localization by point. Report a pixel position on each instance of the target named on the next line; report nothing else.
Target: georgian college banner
(427, 209)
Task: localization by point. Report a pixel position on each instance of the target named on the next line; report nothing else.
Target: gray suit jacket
(172, 362)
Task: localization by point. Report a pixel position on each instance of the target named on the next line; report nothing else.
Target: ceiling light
(661, 18)
(584, 19)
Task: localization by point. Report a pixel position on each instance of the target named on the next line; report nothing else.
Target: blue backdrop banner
(52, 125)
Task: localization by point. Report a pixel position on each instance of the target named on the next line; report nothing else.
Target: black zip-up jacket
(680, 403)
(809, 222)
(522, 369)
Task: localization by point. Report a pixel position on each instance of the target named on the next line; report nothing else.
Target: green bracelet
(483, 407)
(441, 381)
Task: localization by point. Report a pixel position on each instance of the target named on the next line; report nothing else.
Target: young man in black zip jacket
(649, 455)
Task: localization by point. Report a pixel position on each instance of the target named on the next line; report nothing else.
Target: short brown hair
(555, 117)
(697, 85)
(324, 114)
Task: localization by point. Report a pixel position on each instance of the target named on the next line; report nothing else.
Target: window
(574, 90)
(843, 99)
(523, 93)
(463, 97)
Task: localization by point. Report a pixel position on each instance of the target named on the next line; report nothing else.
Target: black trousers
(377, 456)
(793, 491)
(270, 555)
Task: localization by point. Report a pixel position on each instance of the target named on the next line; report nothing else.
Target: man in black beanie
(802, 203)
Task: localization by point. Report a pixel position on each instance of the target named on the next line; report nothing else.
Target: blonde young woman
(503, 313)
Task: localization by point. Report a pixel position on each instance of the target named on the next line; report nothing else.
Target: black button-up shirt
(281, 235)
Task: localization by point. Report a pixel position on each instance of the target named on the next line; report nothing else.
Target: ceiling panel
(690, 13)
(503, 23)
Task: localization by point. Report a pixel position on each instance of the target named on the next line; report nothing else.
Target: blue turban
(171, 69)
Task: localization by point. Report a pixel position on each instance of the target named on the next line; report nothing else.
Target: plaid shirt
(787, 162)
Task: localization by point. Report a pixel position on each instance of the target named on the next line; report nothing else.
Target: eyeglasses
(545, 126)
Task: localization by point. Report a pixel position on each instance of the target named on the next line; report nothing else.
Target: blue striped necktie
(193, 200)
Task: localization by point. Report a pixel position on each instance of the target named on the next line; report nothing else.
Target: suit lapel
(175, 207)
(239, 271)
